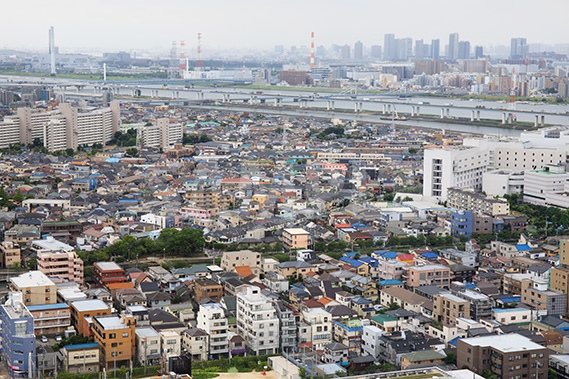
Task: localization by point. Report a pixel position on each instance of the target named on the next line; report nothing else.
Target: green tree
(412, 150)
(18, 197)
(302, 373)
(450, 359)
(132, 152)
(551, 373)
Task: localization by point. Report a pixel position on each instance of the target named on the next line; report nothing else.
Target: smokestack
(52, 49)
(312, 52)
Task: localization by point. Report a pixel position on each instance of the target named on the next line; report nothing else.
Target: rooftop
(108, 266)
(504, 343)
(110, 322)
(32, 279)
(89, 305)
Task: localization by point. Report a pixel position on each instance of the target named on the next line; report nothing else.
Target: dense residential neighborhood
(321, 248)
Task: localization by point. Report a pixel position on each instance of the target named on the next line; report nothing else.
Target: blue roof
(523, 247)
(389, 282)
(351, 261)
(430, 254)
(500, 310)
(470, 285)
(359, 225)
(353, 253)
(387, 254)
(81, 346)
(370, 261)
(47, 307)
(454, 341)
(510, 299)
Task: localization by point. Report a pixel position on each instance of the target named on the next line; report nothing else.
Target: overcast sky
(143, 24)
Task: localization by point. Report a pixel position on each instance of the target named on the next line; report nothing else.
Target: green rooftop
(382, 319)
(425, 355)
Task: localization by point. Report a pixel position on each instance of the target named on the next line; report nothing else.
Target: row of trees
(172, 242)
(191, 139)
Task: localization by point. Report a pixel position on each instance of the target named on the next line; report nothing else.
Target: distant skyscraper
(453, 46)
(346, 52)
(389, 47)
(52, 50)
(464, 50)
(435, 49)
(358, 51)
(279, 49)
(375, 51)
(419, 49)
(479, 52)
(518, 48)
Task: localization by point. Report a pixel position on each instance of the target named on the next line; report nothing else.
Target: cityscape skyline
(268, 26)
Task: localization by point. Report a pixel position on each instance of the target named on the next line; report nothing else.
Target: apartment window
(112, 335)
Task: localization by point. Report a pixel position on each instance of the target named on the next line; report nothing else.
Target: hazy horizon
(255, 24)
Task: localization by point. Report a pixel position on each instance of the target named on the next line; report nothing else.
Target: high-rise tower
(52, 50)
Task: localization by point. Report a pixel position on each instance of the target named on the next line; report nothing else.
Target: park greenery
(172, 242)
(124, 139)
(192, 139)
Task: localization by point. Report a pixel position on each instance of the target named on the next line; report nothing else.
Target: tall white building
(63, 128)
(257, 322)
(211, 319)
(460, 167)
(547, 187)
(371, 335)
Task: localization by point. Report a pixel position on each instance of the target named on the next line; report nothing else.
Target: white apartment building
(65, 127)
(171, 342)
(316, 327)
(547, 187)
(453, 167)
(148, 346)
(211, 319)
(370, 340)
(257, 322)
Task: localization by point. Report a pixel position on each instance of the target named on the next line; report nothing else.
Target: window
(125, 334)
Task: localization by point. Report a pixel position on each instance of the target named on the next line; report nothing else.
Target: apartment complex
(206, 288)
(18, 339)
(459, 168)
(315, 328)
(57, 259)
(468, 200)
(209, 199)
(232, 259)
(257, 322)
(427, 275)
(36, 288)
(506, 356)
(296, 238)
(62, 128)
(448, 307)
(105, 273)
(116, 339)
(211, 319)
(9, 254)
(50, 319)
(84, 310)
